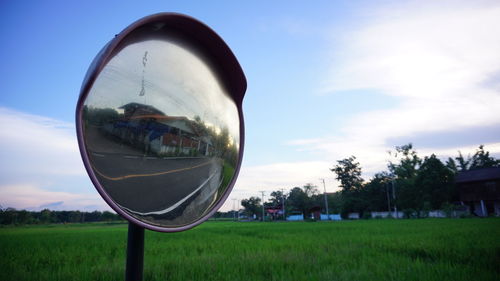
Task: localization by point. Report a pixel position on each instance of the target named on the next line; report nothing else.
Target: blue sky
(325, 81)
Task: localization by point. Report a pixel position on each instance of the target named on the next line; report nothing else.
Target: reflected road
(152, 185)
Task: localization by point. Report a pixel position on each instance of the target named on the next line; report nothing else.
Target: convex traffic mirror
(159, 122)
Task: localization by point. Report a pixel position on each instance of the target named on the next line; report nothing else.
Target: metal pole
(135, 253)
(238, 209)
(236, 214)
(234, 209)
(263, 215)
(388, 198)
(283, 199)
(326, 200)
(394, 197)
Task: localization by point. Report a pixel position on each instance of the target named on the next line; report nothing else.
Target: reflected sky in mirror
(168, 76)
(161, 133)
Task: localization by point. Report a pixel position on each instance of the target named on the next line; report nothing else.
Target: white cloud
(37, 145)
(282, 175)
(25, 196)
(440, 60)
(40, 165)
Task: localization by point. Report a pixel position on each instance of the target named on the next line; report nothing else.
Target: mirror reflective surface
(161, 133)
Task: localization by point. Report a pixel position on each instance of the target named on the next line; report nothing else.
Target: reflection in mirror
(161, 133)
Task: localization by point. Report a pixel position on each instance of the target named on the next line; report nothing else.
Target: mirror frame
(231, 75)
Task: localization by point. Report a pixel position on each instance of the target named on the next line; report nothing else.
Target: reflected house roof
(179, 122)
(138, 111)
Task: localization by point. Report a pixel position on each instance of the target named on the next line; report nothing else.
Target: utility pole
(326, 200)
(263, 215)
(235, 209)
(283, 203)
(388, 197)
(394, 197)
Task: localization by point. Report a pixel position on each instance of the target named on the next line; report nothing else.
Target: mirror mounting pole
(135, 253)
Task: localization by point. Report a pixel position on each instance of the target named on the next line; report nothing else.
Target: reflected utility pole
(262, 205)
(326, 200)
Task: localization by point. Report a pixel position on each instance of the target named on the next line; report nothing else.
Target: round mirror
(159, 122)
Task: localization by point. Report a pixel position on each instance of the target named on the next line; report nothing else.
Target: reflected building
(149, 129)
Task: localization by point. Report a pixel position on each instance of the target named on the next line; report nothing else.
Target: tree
(74, 216)
(376, 192)
(252, 206)
(451, 165)
(310, 190)
(404, 173)
(335, 202)
(434, 183)
(408, 162)
(24, 217)
(276, 199)
(481, 159)
(298, 201)
(463, 164)
(8, 216)
(221, 142)
(93, 216)
(108, 216)
(348, 172)
(46, 216)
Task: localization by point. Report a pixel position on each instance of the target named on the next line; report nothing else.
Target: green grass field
(426, 249)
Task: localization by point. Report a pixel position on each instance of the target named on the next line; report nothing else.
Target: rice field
(424, 249)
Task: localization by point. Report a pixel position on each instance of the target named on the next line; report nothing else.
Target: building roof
(141, 109)
(485, 174)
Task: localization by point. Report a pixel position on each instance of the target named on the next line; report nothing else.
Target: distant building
(274, 213)
(353, 216)
(331, 217)
(480, 190)
(295, 217)
(315, 211)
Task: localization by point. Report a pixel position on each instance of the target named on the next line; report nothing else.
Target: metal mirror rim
(231, 72)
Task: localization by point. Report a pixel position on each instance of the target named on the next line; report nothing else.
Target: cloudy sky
(325, 81)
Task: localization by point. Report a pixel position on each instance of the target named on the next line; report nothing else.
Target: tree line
(45, 216)
(415, 185)
(412, 184)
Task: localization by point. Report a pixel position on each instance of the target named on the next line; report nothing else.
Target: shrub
(426, 208)
(409, 213)
(448, 209)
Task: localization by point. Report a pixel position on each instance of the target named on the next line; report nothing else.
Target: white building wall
(386, 214)
(332, 217)
(295, 218)
(353, 216)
